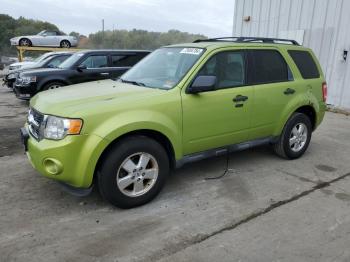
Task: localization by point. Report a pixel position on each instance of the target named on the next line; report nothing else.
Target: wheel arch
(52, 81)
(310, 112)
(301, 104)
(153, 134)
(70, 43)
(22, 38)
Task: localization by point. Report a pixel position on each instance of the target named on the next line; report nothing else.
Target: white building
(323, 25)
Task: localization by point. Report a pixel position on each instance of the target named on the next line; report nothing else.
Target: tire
(25, 42)
(293, 142)
(52, 85)
(65, 44)
(126, 183)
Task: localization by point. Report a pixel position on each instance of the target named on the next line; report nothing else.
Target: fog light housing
(52, 166)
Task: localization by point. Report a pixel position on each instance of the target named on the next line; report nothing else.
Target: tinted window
(228, 67)
(126, 60)
(305, 64)
(267, 66)
(96, 61)
(55, 62)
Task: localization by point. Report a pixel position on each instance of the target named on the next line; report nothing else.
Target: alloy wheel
(137, 174)
(298, 137)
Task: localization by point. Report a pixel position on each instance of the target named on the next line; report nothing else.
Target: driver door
(214, 119)
(96, 69)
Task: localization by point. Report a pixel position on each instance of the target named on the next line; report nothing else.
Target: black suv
(83, 66)
(52, 60)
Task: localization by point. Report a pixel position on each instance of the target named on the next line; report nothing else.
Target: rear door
(273, 86)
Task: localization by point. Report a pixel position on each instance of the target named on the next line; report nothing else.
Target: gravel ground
(266, 209)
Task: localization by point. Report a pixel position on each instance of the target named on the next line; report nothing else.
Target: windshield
(43, 61)
(163, 68)
(41, 33)
(42, 57)
(69, 62)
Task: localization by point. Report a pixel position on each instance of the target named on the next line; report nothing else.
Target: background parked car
(46, 38)
(21, 65)
(51, 60)
(83, 66)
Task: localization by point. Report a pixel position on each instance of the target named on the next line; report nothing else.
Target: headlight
(15, 67)
(28, 79)
(58, 128)
(11, 76)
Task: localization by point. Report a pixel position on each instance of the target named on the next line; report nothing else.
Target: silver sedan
(46, 38)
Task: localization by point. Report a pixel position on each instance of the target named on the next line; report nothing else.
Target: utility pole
(103, 31)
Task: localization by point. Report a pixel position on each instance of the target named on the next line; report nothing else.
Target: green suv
(180, 104)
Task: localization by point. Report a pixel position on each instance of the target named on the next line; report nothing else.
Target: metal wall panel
(326, 25)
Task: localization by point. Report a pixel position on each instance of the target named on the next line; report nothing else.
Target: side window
(305, 64)
(126, 60)
(267, 66)
(228, 67)
(116, 60)
(55, 62)
(51, 33)
(95, 61)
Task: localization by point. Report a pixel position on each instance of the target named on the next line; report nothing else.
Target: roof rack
(243, 39)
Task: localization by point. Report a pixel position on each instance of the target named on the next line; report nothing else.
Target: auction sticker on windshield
(191, 51)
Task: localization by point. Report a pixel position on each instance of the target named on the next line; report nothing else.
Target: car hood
(26, 63)
(45, 71)
(75, 100)
(24, 36)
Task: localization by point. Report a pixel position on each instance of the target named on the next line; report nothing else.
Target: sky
(208, 17)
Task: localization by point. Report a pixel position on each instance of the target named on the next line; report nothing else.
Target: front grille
(19, 81)
(35, 121)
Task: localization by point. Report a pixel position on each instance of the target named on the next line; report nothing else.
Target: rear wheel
(295, 137)
(65, 44)
(53, 85)
(133, 172)
(25, 42)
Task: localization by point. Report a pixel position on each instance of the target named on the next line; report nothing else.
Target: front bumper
(14, 41)
(71, 160)
(25, 92)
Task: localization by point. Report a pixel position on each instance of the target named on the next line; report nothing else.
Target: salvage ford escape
(180, 104)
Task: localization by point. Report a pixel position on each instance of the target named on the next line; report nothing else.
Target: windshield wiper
(132, 82)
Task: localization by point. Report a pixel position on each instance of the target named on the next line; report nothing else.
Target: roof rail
(243, 39)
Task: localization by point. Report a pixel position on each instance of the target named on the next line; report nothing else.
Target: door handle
(289, 91)
(240, 98)
(104, 74)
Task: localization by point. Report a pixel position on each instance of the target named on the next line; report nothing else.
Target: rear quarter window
(305, 63)
(267, 66)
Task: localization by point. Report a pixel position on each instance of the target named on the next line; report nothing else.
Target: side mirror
(202, 84)
(80, 68)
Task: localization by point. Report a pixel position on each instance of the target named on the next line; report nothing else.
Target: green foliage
(10, 27)
(138, 39)
(76, 34)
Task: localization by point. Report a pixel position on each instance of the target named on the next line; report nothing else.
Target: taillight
(324, 91)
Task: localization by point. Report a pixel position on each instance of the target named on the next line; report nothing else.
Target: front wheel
(25, 42)
(133, 172)
(295, 137)
(52, 85)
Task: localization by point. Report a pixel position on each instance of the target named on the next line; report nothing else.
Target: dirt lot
(267, 209)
